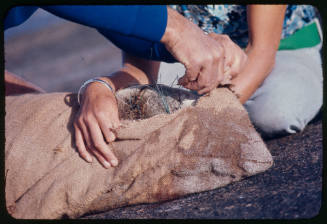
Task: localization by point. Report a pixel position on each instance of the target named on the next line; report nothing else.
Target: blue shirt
(135, 29)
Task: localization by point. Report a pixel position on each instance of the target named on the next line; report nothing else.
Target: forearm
(265, 27)
(175, 25)
(135, 71)
(258, 66)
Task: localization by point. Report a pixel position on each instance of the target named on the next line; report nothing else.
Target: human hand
(202, 55)
(235, 57)
(95, 124)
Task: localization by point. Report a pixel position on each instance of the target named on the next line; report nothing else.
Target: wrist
(258, 66)
(264, 52)
(241, 89)
(173, 26)
(94, 87)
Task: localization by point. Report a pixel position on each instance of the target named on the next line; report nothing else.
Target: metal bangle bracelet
(90, 81)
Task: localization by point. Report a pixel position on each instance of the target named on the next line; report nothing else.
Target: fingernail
(112, 137)
(106, 164)
(114, 162)
(89, 158)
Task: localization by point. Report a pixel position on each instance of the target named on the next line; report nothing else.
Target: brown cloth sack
(196, 148)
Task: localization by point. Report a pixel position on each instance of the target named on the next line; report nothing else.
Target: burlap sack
(196, 148)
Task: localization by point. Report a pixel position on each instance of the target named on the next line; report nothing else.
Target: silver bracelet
(90, 81)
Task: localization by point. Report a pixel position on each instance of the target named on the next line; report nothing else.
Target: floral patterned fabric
(231, 19)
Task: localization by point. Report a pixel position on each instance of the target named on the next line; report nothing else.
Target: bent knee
(276, 124)
(277, 119)
(281, 114)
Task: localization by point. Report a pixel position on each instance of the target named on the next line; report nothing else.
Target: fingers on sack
(84, 132)
(215, 36)
(101, 159)
(100, 146)
(212, 35)
(107, 127)
(81, 146)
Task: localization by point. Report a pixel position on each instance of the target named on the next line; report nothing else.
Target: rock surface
(291, 189)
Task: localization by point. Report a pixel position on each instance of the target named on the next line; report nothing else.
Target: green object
(308, 36)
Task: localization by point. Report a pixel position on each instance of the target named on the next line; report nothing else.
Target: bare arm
(135, 70)
(265, 26)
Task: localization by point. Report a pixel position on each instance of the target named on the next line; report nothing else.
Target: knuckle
(234, 72)
(217, 55)
(187, 64)
(235, 62)
(236, 68)
(219, 51)
(225, 37)
(98, 145)
(212, 35)
(79, 121)
(87, 119)
(75, 124)
(209, 58)
(197, 62)
(100, 115)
